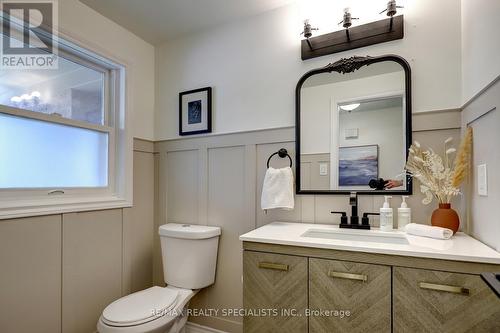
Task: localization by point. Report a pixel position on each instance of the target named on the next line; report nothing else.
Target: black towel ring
(281, 153)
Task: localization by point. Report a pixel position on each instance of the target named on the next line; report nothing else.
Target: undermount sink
(358, 235)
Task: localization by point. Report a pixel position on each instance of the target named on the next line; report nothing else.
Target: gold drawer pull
(270, 265)
(349, 276)
(445, 288)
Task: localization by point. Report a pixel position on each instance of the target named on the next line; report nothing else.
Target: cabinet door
(434, 301)
(275, 290)
(362, 289)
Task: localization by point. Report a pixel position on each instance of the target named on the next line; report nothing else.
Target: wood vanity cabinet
(383, 293)
(274, 282)
(435, 301)
(362, 289)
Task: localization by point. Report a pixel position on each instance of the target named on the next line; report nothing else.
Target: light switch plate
(323, 169)
(482, 180)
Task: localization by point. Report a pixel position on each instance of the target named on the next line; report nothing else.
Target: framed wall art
(195, 111)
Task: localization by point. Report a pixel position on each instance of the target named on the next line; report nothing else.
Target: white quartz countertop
(460, 247)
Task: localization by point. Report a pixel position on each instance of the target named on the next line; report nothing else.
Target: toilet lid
(140, 307)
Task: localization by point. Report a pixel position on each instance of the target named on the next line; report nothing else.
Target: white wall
(480, 67)
(480, 45)
(254, 65)
(84, 25)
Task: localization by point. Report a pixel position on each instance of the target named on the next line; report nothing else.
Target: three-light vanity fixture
(364, 35)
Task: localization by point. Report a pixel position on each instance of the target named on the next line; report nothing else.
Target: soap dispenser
(386, 215)
(404, 214)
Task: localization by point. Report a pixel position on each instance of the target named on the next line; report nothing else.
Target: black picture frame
(208, 128)
(343, 66)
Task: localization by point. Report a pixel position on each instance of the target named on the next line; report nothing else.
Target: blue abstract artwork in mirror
(357, 165)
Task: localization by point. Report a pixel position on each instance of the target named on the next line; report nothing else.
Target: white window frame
(43, 201)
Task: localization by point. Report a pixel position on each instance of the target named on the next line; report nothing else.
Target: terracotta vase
(445, 217)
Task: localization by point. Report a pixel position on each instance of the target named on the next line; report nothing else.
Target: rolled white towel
(428, 231)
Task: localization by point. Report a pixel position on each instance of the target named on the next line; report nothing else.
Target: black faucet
(354, 222)
(365, 221)
(343, 217)
(353, 201)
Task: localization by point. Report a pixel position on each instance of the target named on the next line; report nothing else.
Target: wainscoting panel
(30, 278)
(217, 180)
(227, 188)
(183, 185)
(58, 278)
(92, 270)
(213, 181)
(483, 115)
(138, 227)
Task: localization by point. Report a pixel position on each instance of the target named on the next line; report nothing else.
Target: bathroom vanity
(320, 278)
(353, 131)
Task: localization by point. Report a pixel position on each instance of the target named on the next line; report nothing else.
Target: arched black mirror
(353, 127)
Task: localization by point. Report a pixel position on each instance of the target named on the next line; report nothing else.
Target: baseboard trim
(197, 328)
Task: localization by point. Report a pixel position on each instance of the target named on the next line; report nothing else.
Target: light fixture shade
(349, 107)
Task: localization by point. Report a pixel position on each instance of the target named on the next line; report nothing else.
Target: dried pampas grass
(462, 161)
(440, 177)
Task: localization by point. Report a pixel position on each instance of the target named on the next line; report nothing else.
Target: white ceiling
(157, 21)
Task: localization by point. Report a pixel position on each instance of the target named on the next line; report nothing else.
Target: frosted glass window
(39, 154)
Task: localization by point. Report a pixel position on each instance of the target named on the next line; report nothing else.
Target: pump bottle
(404, 214)
(386, 215)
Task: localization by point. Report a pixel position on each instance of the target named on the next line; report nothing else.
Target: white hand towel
(277, 191)
(428, 231)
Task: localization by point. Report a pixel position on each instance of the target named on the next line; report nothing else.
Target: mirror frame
(349, 65)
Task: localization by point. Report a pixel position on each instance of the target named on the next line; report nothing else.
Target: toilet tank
(189, 254)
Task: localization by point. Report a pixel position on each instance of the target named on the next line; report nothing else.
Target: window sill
(53, 206)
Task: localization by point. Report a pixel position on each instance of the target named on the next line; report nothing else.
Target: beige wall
(217, 180)
(58, 272)
(483, 115)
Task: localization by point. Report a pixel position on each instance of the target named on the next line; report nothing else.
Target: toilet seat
(141, 307)
(163, 322)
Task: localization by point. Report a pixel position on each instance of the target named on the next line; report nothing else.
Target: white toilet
(189, 254)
